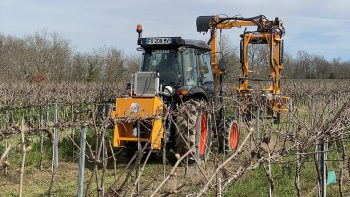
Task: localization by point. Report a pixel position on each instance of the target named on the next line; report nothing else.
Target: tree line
(303, 66)
(47, 56)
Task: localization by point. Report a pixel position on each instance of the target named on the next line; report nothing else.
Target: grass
(36, 182)
(255, 183)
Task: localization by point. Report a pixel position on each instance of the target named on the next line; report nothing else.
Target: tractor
(168, 100)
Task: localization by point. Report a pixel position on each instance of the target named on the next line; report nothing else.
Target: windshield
(166, 62)
(188, 67)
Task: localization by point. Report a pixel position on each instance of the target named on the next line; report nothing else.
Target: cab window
(189, 67)
(205, 72)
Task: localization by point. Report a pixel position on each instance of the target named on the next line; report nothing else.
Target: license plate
(158, 41)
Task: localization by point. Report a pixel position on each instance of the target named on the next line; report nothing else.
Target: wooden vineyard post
(6, 158)
(219, 188)
(114, 160)
(257, 123)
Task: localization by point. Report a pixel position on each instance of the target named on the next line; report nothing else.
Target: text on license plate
(159, 41)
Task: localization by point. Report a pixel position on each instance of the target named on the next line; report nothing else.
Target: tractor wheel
(204, 135)
(228, 136)
(193, 127)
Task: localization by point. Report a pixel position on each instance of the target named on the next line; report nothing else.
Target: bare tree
(114, 65)
(231, 60)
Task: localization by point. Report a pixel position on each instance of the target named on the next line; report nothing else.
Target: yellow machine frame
(267, 31)
(133, 111)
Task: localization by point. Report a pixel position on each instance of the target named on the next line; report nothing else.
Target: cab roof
(171, 42)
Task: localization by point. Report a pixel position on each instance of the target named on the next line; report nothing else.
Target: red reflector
(181, 92)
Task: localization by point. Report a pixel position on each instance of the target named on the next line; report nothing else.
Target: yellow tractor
(167, 104)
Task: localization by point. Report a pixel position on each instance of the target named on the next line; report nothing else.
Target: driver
(189, 73)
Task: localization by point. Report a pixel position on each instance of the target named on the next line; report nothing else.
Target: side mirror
(140, 49)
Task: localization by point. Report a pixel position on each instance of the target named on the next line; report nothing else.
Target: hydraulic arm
(268, 32)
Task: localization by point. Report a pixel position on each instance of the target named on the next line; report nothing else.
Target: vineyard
(48, 131)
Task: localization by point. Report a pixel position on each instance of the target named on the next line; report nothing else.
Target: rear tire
(204, 139)
(193, 127)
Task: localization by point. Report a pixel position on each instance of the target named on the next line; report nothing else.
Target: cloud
(316, 26)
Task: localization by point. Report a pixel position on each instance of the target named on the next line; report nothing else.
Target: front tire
(228, 136)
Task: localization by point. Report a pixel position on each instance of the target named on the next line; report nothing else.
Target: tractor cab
(180, 64)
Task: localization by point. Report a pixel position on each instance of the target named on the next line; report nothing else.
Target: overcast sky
(317, 26)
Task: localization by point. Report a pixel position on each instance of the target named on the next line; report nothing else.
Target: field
(282, 159)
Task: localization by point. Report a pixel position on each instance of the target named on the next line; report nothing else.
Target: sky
(320, 27)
